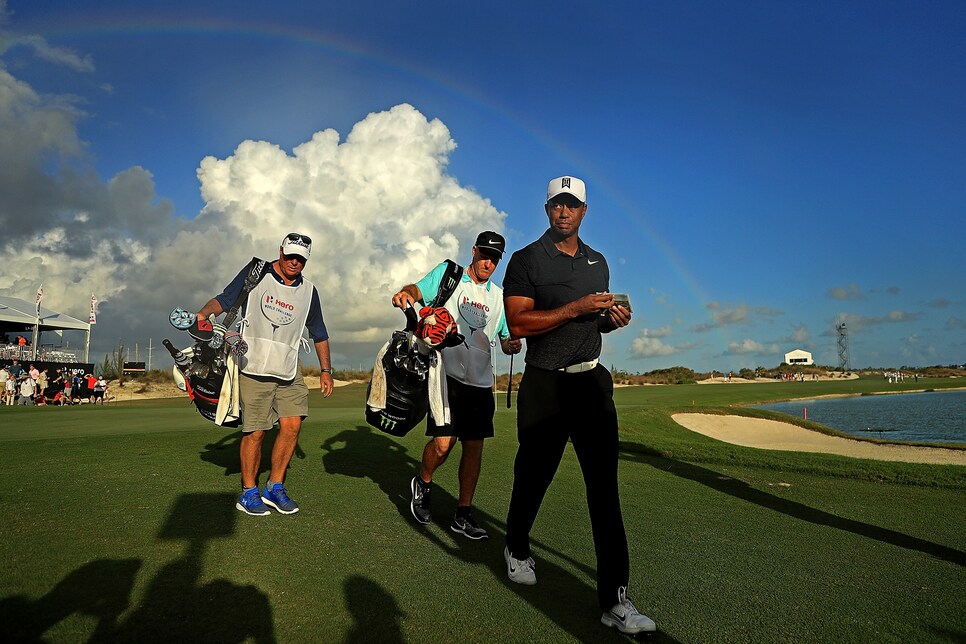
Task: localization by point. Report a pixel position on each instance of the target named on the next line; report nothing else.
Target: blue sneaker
(250, 503)
(277, 497)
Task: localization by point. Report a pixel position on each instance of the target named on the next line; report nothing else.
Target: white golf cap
(297, 244)
(569, 185)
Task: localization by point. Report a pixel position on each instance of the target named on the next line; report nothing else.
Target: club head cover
(435, 325)
(181, 318)
(201, 330)
(236, 345)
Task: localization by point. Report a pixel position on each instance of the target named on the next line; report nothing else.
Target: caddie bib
(275, 316)
(478, 311)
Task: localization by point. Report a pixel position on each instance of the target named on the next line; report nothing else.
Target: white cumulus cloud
(648, 344)
(752, 347)
(380, 207)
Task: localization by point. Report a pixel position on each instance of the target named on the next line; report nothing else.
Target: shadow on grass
(375, 613)
(567, 600)
(741, 490)
(175, 606)
(99, 590)
(224, 452)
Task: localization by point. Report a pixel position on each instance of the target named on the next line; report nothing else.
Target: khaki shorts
(265, 400)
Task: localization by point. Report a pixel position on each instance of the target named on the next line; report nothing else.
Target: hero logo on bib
(475, 313)
(277, 311)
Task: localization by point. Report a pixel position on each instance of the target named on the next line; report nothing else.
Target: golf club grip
(170, 347)
(180, 358)
(412, 318)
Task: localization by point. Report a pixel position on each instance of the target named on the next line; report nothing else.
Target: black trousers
(552, 407)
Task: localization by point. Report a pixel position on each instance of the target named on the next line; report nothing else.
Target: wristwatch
(326, 370)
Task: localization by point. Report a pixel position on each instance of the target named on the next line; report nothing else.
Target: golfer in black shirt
(555, 295)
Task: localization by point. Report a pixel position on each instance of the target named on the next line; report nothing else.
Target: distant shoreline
(866, 393)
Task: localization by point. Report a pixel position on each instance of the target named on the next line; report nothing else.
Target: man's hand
(511, 346)
(406, 297)
(619, 316)
(325, 362)
(593, 303)
(326, 383)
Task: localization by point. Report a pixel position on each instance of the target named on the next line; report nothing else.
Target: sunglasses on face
(569, 204)
(298, 237)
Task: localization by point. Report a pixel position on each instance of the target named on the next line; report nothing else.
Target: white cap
(569, 185)
(297, 244)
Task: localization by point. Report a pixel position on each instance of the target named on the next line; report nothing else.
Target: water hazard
(931, 417)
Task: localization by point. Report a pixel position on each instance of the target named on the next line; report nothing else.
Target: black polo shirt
(552, 279)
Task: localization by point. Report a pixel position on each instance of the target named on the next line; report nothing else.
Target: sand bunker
(772, 434)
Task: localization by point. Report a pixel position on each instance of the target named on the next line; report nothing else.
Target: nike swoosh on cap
(494, 241)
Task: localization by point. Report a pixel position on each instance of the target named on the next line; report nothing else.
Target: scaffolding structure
(843, 336)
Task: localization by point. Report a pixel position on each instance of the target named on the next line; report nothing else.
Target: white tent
(18, 315)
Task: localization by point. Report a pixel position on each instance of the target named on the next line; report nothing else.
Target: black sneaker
(421, 498)
(467, 526)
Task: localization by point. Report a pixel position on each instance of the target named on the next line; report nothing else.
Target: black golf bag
(403, 370)
(204, 393)
(203, 369)
(405, 365)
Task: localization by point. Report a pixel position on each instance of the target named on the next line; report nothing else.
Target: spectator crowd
(37, 387)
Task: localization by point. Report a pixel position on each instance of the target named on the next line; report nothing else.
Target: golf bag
(213, 391)
(398, 395)
(207, 371)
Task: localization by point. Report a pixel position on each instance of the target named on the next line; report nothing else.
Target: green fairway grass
(120, 526)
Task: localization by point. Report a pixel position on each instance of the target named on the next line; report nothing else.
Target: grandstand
(18, 319)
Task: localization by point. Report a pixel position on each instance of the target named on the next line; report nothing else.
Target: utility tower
(843, 335)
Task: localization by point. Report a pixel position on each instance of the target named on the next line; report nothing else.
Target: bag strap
(256, 271)
(451, 279)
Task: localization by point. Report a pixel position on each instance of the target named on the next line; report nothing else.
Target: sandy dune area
(772, 434)
(133, 390)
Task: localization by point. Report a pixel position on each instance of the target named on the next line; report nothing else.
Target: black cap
(489, 241)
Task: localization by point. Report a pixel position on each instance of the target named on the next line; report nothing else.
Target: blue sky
(755, 171)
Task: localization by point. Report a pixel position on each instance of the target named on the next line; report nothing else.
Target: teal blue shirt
(429, 287)
(478, 310)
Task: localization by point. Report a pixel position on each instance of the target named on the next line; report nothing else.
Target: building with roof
(799, 356)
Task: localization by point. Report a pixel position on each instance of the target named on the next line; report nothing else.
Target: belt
(580, 367)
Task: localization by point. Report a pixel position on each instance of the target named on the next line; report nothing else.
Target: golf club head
(198, 369)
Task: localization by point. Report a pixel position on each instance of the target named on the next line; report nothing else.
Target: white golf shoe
(522, 571)
(626, 618)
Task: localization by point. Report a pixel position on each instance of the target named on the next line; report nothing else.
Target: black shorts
(471, 410)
